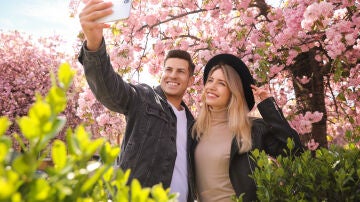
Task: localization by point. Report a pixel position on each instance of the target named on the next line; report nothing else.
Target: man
(156, 139)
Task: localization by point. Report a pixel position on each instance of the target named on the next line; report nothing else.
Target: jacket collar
(160, 92)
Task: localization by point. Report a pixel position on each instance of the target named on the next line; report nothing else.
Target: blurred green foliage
(73, 175)
(322, 175)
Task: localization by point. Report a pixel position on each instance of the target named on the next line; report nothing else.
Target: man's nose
(172, 74)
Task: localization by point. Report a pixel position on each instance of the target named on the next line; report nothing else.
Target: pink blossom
(103, 119)
(303, 123)
(276, 36)
(184, 45)
(159, 47)
(318, 58)
(150, 19)
(225, 6)
(312, 145)
(303, 80)
(317, 12)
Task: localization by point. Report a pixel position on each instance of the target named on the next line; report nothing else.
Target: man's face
(175, 78)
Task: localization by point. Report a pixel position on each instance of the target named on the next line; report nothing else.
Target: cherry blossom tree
(306, 52)
(25, 66)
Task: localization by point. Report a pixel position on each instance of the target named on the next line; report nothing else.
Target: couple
(207, 159)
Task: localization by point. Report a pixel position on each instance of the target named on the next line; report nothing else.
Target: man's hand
(93, 10)
(260, 92)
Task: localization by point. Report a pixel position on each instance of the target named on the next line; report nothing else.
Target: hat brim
(241, 69)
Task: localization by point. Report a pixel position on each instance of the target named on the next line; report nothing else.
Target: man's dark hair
(182, 55)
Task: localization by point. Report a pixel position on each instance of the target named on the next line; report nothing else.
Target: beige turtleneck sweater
(212, 156)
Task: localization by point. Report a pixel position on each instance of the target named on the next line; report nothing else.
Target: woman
(225, 135)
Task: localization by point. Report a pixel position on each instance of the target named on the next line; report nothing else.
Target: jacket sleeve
(279, 130)
(107, 86)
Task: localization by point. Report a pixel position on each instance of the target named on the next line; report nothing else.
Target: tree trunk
(310, 96)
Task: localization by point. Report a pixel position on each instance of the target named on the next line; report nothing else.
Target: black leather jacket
(148, 147)
(269, 134)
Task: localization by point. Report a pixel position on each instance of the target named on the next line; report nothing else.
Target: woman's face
(217, 92)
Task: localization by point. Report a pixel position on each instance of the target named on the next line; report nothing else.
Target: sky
(39, 18)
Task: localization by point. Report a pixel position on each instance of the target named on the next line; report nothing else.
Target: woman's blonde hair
(239, 121)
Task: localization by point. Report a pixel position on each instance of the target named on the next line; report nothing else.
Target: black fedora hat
(241, 69)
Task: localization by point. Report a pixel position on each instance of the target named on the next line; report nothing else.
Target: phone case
(121, 10)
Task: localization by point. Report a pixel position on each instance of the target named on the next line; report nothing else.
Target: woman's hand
(260, 92)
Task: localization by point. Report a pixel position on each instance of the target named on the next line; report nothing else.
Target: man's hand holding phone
(94, 15)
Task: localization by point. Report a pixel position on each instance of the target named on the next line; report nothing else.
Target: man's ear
(191, 80)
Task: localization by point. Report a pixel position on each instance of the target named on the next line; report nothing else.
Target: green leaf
(40, 191)
(260, 163)
(137, 193)
(72, 143)
(56, 126)
(256, 153)
(290, 144)
(56, 99)
(4, 125)
(109, 154)
(115, 31)
(122, 177)
(135, 190)
(4, 149)
(25, 164)
(29, 127)
(38, 122)
(341, 97)
(159, 194)
(65, 75)
(8, 183)
(82, 137)
(40, 111)
(108, 174)
(338, 70)
(58, 154)
(93, 147)
(89, 183)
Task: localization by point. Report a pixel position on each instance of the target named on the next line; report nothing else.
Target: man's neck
(176, 103)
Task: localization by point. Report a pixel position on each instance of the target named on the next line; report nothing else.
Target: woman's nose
(209, 86)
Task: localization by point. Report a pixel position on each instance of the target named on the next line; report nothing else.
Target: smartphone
(121, 10)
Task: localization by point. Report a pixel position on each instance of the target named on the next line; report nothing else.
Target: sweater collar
(219, 115)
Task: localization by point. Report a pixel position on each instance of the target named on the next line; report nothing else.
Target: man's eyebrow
(178, 68)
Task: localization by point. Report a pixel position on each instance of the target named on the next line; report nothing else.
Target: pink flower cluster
(98, 120)
(312, 145)
(303, 123)
(317, 15)
(268, 39)
(25, 67)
